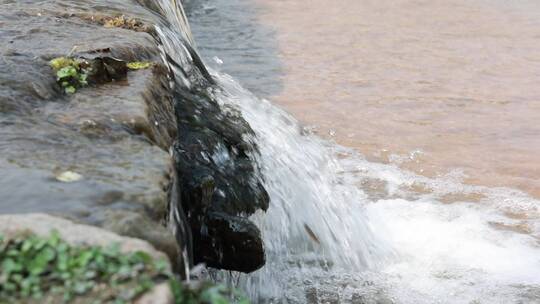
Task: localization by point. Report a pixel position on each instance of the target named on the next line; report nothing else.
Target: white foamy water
(377, 233)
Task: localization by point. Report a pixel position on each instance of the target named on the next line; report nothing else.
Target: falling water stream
(342, 229)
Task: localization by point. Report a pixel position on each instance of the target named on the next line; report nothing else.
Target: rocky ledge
(101, 156)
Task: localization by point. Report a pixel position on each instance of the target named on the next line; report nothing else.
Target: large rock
(219, 185)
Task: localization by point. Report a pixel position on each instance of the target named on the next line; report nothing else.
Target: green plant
(36, 269)
(138, 65)
(70, 73)
(207, 293)
(33, 266)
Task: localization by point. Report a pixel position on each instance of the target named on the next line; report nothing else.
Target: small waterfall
(314, 216)
(185, 67)
(329, 239)
(317, 218)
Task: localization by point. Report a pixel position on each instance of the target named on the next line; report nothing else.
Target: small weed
(71, 73)
(123, 22)
(35, 269)
(139, 65)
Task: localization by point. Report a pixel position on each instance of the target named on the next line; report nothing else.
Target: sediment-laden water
(434, 86)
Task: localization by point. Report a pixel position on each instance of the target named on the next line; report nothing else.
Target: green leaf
(41, 261)
(17, 277)
(9, 286)
(62, 62)
(37, 266)
(161, 265)
(9, 266)
(39, 244)
(62, 247)
(83, 78)
(85, 258)
(215, 295)
(70, 90)
(141, 257)
(138, 65)
(12, 253)
(54, 238)
(27, 245)
(112, 250)
(66, 72)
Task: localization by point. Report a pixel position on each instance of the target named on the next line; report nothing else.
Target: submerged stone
(230, 242)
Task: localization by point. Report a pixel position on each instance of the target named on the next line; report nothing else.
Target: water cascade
(342, 229)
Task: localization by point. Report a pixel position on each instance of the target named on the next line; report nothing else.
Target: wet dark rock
(160, 115)
(217, 176)
(106, 69)
(229, 242)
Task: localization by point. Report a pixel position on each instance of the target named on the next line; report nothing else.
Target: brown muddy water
(437, 87)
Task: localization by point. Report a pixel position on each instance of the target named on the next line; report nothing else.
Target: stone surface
(117, 135)
(74, 234)
(135, 225)
(215, 174)
(106, 133)
(161, 294)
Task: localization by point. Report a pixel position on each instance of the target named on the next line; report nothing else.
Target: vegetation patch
(205, 293)
(139, 65)
(48, 270)
(75, 73)
(71, 73)
(120, 21)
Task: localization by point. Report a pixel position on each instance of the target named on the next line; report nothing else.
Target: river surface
(425, 186)
(434, 86)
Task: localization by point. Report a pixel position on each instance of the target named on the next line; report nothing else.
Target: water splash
(379, 233)
(316, 217)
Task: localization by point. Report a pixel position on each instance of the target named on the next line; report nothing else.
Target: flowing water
(433, 86)
(343, 228)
